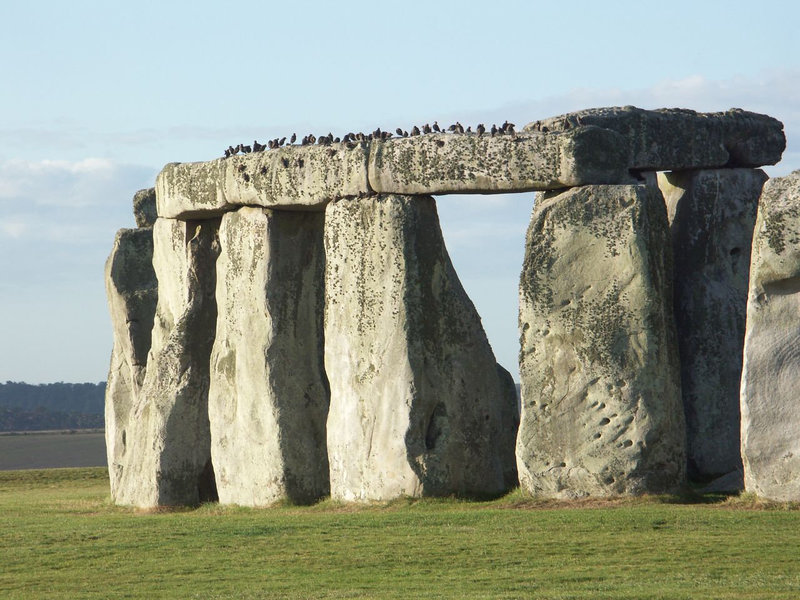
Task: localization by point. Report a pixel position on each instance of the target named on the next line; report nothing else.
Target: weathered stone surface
(144, 207)
(771, 371)
(268, 400)
(711, 214)
(168, 452)
(417, 407)
(509, 425)
(442, 163)
(601, 406)
(671, 139)
(290, 178)
(132, 292)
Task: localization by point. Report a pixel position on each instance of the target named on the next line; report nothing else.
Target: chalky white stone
(268, 398)
(417, 407)
(771, 370)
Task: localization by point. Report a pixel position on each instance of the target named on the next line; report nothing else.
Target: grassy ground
(61, 538)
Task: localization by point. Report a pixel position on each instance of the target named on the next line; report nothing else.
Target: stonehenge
(288, 325)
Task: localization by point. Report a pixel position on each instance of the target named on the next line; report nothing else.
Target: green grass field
(61, 538)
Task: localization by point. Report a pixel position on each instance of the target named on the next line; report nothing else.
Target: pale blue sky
(98, 96)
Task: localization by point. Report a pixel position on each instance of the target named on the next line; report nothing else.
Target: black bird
(293, 139)
(283, 141)
(336, 140)
(469, 129)
(426, 128)
(436, 126)
(399, 131)
(452, 128)
(493, 129)
(238, 149)
(415, 130)
(405, 134)
(246, 149)
(227, 153)
(481, 129)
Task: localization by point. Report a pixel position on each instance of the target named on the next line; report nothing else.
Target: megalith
(132, 292)
(268, 398)
(712, 214)
(417, 407)
(601, 408)
(670, 139)
(771, 371)
(168, 455)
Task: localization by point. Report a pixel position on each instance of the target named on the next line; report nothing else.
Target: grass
(62, 538)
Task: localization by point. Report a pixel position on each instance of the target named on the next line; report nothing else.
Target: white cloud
(77, 184)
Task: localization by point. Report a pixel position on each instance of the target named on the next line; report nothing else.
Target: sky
(97, 96)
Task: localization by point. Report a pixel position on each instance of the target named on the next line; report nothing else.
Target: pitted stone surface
(268, 399)
(417, 408)
(771, 371)
(671, 139)
(290, 177)
(712, 213)
(144, 207)
(132, 292)
(442, 163)
(601, 406)
(168, 457)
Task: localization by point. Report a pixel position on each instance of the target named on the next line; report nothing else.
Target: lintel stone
(671, 139)
(442, 163)
(290, 178)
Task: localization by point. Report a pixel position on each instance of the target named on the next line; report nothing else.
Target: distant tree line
(26, 407)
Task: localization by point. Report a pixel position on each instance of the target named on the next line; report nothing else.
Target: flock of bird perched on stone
(352, 138)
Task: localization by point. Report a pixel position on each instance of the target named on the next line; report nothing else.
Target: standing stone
(132, 292)
(169, 446)
(771, 371)
(268, 400)
(416, 402)
(711, 214)
(144, 207)
(601, 408)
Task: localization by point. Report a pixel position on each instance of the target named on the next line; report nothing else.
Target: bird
(459, 127)
(293, 139)
(481, 129)
(246, 149)
(436, 126)
(399, 131)
(469, 129)
(426, 128)
(493, 130)
(452, 128)
(227, 153)
(283, 141)
(415, 130)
